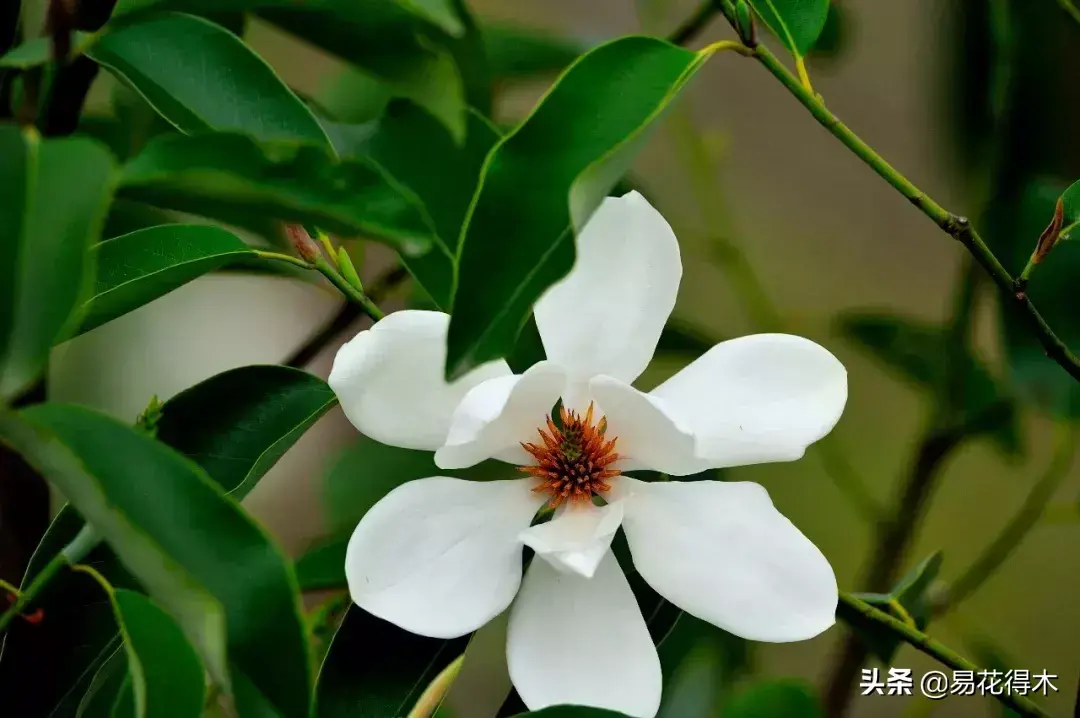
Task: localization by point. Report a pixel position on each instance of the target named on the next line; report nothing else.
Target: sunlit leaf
(53, 199)
(569, 153)
(137, 268)
(200, 77)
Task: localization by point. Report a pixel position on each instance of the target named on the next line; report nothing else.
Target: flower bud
(302, 241)
(744, 23)
(347, 269)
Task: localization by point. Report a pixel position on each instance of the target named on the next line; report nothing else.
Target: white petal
(389, 380)
(498, 414)
(647, 434)
(606, 315)
(440, 556)
(757, 399)
(582, 641)
(577, 538)
(722, 552)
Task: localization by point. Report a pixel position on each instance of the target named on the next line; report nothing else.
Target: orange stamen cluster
(572, 463)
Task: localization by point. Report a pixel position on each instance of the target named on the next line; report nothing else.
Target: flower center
(573, 460)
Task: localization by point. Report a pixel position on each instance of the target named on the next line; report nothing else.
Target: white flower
(442, 556)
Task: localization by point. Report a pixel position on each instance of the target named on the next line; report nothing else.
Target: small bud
(347, 269)
(744, 23)
(150, 416)
(302, 241)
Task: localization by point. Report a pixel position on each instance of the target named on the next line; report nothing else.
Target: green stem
(327, 270)
(1014, 532)
(80, 546)
(943, 654)
(693, 25)
(959, 228)
(349, 290)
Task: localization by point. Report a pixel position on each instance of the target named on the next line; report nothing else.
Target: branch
(959, 228)
(919, 640)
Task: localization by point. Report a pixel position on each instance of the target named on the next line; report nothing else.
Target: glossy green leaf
(230, 177)
(1070, 201)
(911, 592)
(920, 352)
(1012, 228)
(38, 51)
(518, 52)
(166, 677)
(389, 40)
(569, 153)
(237, 424)
(53, 199)
(61, 656)
(200, 77)
(323, 566)
(137, 268)
(835, 36)
(375, 669)
(770, 699)
(185, 541)
(797, 23)
(443, 174)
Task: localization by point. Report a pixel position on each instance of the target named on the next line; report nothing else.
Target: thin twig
(959, 228)
(919, 640)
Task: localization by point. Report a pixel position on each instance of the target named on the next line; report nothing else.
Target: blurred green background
(754, 188)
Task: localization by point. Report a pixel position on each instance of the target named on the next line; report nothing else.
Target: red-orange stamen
(572, 463)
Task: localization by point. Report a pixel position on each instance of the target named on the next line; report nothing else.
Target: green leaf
(788, 698)
(1013, 226)
(798, 23)
(38, 51)
(911, 592)
(389, 40)
(165, 674)
(200, 77)
(53, 199)
(237, 424)
(323, 567)
(1070, 201)
(443, 175)
(186, 543)
(920, 352)
(374, 668)
(63, 654)
(569, 153)
(519, 52)
(137, 268)
(835, 36)
(231, 178)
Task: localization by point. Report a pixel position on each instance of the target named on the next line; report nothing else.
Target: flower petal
(440, 556)
(498, 414)
(389, 380)
(577, 538)
(606, 315)
(722, 552)
(647, 434)
(582, 641)
(757, 399)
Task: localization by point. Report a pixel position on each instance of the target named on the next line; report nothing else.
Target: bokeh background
(754, 188)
